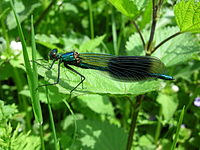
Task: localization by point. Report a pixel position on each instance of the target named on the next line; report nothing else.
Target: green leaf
(169, 104)
(100, 136)
(129, 8)
(175, 51)
(187, 15)
(185, 72)
(96, 82)
(23, 10)
(47, 39)
(146, 141)
(91, 44)
(184, 135)
(97, 103)
(6, 71)
(53, 99)
(145, 16)
(13, 139)
(7, 111)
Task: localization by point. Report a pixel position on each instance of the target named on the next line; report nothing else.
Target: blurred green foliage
(103, 107)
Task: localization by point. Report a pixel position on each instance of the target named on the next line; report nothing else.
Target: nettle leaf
(130, 8)
(169, 104)
(48, 39)
(23, 10)
(91, 44)
(100, 136)
(96, 82)
(69, 41)
(52, 98)
(185, 72)
(97, 103)
(187, 15)
(175, 51)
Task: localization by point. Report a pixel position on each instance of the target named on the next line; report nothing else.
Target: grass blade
(30, 74)
(178, 129)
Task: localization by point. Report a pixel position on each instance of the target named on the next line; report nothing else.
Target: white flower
(175, 88)
(16, 47)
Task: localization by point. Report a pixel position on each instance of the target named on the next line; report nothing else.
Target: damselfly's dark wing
(126, 68)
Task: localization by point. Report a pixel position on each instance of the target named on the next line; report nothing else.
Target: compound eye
(53, 55)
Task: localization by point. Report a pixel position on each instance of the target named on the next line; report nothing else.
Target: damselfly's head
(53, 55)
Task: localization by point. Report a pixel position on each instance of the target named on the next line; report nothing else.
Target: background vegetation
(104, 114)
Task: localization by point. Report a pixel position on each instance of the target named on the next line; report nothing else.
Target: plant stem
(133, 121)
(5, 33)
(140, 34)
(153, 26)
(91, 19)
(164, 41)
(75, 123)
(120, 34)
(175, 140)
(114, 33)
(44, 13)
(23, 103)
(158, 128)
(56, 144)
(41, 137)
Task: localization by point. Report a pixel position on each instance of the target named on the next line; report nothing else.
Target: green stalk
(158, 128)
(114, 34)
(5, 34)
(178, 129)
(1, 92)
(134, 116)
(36, 102)
(120, 34)
(42, 137)
(23, 105)
(75, 124)
(56, 143)
(30, 74)
(91, 19)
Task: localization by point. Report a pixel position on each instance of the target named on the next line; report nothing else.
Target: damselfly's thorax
(76, 56)
(71, 58)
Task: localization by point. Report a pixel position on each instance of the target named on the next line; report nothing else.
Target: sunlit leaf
(97, 103)
(91, 44)
(101, 135)
(129, 8)
(23, 10)
(187, 15)
(169, 104)
(175, 51)
(97, 82)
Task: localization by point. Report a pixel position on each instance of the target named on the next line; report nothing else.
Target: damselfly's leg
(82, 77)
(58, 78)
(48, 68)
(53, 64)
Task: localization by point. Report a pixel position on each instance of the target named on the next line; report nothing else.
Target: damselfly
(124, 68)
